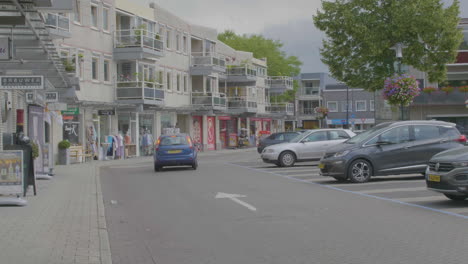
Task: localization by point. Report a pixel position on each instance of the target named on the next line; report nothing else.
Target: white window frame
(177, 41)
(185, 43)
(186, 90)
(330, 109)
(178, 83)
(356, 105)
(77, 11)
(371, 105)
(168, 80)
(168, 38)
(91, 16)
(106, 9)
(108, 70)
(349, 105)
(93, 69)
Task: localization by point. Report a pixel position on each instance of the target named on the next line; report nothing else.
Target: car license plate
(174, 151)
(321, 166)
(433, 178)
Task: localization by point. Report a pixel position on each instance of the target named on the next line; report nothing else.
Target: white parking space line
(393, 190)
(130, 166)
(293, 173)
(463, 210)
(422, 199)
(378, 183)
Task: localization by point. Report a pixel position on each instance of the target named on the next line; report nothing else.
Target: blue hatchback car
(175, 150)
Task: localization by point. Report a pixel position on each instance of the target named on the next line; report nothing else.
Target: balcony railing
(307, 111)
(210, 59)
(281, 108)
(309, 91)
(140, 90)
(241, 71)
(138, 38)
(208, 99)
(280, 82)
(241, 102)
(58, 22)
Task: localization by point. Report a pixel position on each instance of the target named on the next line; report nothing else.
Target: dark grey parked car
(392, 148)
(276, 138)
(447, 173)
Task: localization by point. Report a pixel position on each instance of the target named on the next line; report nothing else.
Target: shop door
(223, 132)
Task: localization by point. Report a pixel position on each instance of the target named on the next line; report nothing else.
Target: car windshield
(365, 135)
(173, 140)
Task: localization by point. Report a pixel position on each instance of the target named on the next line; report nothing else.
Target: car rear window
(426, 132)
(173, 140)
(448, 132)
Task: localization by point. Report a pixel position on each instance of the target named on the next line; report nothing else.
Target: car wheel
(195, 165)
(287, 159)
(360, 171)
(339, 179)
(456, 197)
(157, 168)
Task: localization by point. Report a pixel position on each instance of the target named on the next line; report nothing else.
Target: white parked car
(308, 146)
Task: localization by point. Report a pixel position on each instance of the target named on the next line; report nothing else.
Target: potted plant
(447, 89)
(64, 152)
(429, 90)
(463, 89)
(35, 150)
(321, 111)
(400, 90)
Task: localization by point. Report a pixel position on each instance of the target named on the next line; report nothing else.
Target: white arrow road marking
(235, 198)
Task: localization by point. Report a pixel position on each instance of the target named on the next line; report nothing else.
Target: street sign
(106, 112)
(71, 111)
(22, 82)
(51, 97)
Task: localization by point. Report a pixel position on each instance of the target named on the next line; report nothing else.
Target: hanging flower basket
(447, 89)
(463, 89)
(429, 90)
(321, 111)
(401, 89)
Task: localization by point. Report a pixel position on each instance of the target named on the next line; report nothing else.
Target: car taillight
(156, 145)
(462, 139)
(190, 143)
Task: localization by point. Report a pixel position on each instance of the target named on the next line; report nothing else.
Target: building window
(177, 40)
(105, 19)
(77, 16)
(371, 105)
(332, 106)
(185, 84)
(168, 39)
(160, 77)
(361, 106)
(94, 16)
(106, 70)
(178, 82)
(345, 105)
(185, 43)
(168, 80)
(94, 68)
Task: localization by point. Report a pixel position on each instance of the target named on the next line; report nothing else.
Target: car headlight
(341, 154)
(269, 150)
(460, 164)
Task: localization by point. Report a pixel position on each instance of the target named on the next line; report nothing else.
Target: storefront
(145, 128)
(197, 129)
(71, 125)
(211, 135)
(36, 135)
(127, 125)
(228, 131)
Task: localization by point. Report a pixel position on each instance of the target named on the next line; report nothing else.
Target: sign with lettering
(51, 97)
(5, 49)
(71, 111)
(106, 112)
(30, 97)
(22, 82)
(11, 172)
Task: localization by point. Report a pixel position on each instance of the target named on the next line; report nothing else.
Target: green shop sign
(71, 111)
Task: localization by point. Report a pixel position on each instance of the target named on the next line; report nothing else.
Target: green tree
(279, 63)
(361, 33)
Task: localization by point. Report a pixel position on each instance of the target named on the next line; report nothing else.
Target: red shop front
(228, 131)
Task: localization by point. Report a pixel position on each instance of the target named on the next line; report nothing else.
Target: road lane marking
(235, 198)
(422, 199)
(378, 183)
(358, 193)
(392, 190)
(458, 210)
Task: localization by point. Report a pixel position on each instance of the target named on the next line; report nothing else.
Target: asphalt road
(288, 215)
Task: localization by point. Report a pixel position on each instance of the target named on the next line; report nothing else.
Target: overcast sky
(287, 20)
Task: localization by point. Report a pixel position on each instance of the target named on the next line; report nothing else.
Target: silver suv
(392, 148)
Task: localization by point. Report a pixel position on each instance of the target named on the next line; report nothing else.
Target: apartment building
(448, 105)
(351, 108)
(127, 73)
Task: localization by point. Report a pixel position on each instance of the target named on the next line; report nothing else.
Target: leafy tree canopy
(361, 33)
(279, 63)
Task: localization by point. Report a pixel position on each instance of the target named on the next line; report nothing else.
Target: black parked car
(447, 173)
(276, 138)
(389, 149)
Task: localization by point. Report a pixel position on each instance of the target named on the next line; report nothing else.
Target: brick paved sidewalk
(64, 223)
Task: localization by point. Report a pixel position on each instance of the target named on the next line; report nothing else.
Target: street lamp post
(399, 55)
(347, 107)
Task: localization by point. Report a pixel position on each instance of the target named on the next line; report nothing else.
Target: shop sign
(57, 106)
(5, 51)
(224, 118)
(51, 97)
(266, 119)
(232, 140)
(106, 112)
(30, 97)
(71, 111)
(255, 119)
(22, 82)
(11, 172)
